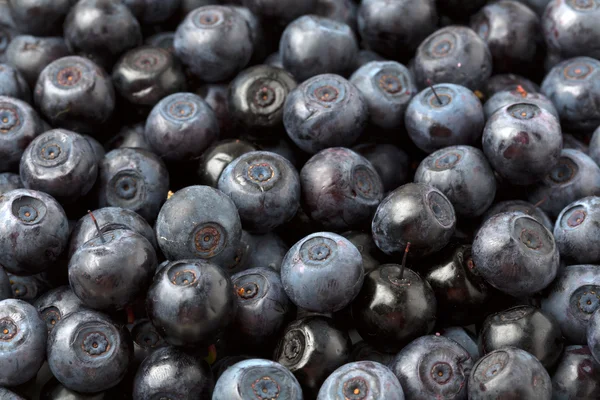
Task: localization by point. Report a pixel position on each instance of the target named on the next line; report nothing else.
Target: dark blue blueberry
(522, 142)
(102, 30)
(75, 93)
(28, 288)
(97, 148)
(281, 145)
(199, 222)
(515, 253)
(30, 54)
(129, 136)
(572, 299)
(190, 302)
(390, 162)
(464, 175)
(34, 232)
(89, 353)
(395, 29)
(574, 88)
(152, 11)
(60, 163)
(262, 42)
(433, 367)
(574, 176)
(339, 10)
(13, 83)
(9, 181)
(311, 277)
(510, 373)
(577, 375)
(325, 111)
(363, 351)
(444, 115)
(163, 40)
(417, 214)
(507, 82)
(465, 338)
(22, 342)
(134, 179)
(214, 42)
(522, 206)
(281, 11)
(5, 286)
(372, 257)
(172, 374)
(454, 54)
(181, 127)
(514, 96)
(575, 231)
(312, 348)
(146, 340)
(257, 379)
(39, 17)
(387, 87)
(362, 380)
(340, 188)
(313, 45)
(56, 304)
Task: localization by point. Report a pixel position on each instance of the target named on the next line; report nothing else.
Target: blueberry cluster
(300, 199)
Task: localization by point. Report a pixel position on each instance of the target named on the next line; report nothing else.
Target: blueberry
(281, 11)
(511, 373)
(465, 338)
(261, 40)
(574, 176)
(324, 111)
(517, 95)
(28, 288)
(101, 30)
(146, 340)
(522, 206)
(340, 189)
(34, 231)
(257, 379)
(199, 222)
(576, 226)
(145, 75)
(573, 87)
(75, 93)
(88, 353)
(454, 54)
(30, 54)
(313, 45)
(339, 10)
(190, 301)
(594, 146)
(60, 163)
(358, 380)
(281, 145)
(395, 29)
(163, 40)
(405, 312)
(515, 253)
(577, 375)
(13, 83)
(56, 304)
(7, 33)
(372, 257)
(522, 142)
(387, 87)
(433, 367)
(312, 348)
(216, 96)
(508, 82)
(153, 11)
(134, 179)
(8, 395)
(572, 299)
(129, 136)
(444, 115)
(363, 351)
(214, 42)
(180, 127)
(39, 17)
(5, 285)
(464, 175)
(216, 158)
(267, 250)
(417, 214)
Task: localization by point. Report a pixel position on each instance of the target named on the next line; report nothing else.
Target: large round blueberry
(56, 304)
(575, 229)
(593, 335)
(517, 95)
(576, 375)
(522, 206)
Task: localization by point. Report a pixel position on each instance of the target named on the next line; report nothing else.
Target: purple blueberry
(217, 157)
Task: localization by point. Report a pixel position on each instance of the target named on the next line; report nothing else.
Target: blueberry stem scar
(97, 227)
(434, 92)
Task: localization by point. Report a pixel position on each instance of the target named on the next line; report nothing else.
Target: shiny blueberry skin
(515, 253)
(75, 93)
(577, 375)
(509, 373)
(465, 338)
(28, 288)
(507, 82)
(180, 127)
(395, 29)
(312, 348)
(214, 42)
(190, 301)
(13, 83)
(454, 54)
(310, 272)
(23, 344)
(56, 304)
(146, 340)
(217, 157)
(88, 353)
(39, 17)
(146, 74)
(575, 229)
(390, 162)
(522, 206)
(34, 232)
(134, 179)
(60, 163)
(19, 125)
(199, 222)
(340, 188)
(574, 88)
(129, 136)
(522, 142)
(433, 367)
(575, 176)
(152, 11)
(387, 87)
(464, 175)
(324, 111)
(509, 97)
(572, 299)
(453, 117)
(393, 308)
(281, 11)
(415, 213)
(257, 379)
(313, 45)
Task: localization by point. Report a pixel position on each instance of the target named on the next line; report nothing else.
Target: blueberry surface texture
(576, 375)
(56, 304)
(575, 227)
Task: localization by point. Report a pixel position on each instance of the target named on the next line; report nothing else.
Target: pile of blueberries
(299, 199)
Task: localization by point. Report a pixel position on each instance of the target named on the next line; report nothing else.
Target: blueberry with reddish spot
(577, 375)
(13, 83)
(522, 206)
(575, 229)
(517, 95)
(56, 304)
